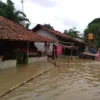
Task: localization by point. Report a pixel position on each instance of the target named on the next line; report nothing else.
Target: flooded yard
(78, 80)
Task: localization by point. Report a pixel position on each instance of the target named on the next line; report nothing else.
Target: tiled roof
(55, 33)
(10, 30)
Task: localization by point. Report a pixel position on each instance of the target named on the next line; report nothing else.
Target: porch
(13, 53)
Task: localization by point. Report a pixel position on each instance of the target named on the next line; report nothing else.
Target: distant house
(17, 42)
(70, 45)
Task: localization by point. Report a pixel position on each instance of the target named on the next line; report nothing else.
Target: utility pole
(22, 1)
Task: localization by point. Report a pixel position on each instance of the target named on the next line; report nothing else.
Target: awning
(69, 47)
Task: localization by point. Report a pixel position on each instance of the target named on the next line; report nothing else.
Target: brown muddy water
(78, 80)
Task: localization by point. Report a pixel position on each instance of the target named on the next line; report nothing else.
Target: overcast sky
(62, 14)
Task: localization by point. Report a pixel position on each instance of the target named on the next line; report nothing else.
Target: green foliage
(8, 11)
(96, 20)
(94, 28)
(48, 26)
(3, 9)
(72, 32)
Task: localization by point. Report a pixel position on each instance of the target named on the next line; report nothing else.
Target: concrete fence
(13, 63)
(36, 59)
(7, 64)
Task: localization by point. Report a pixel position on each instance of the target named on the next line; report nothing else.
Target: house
(17, 43)
(70, 45)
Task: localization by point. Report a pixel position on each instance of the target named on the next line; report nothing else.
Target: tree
(72, 32)
(96, 20)
(48, 26)
(94, 28)
(3, 9)
(8, 11)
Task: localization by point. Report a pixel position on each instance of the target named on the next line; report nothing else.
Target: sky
(61, 14)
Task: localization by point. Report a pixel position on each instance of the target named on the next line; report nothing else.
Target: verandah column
(27, 51)
(45, 48)
(77, 51)
(71, 52)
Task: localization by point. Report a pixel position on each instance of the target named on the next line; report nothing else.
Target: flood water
(78, 80)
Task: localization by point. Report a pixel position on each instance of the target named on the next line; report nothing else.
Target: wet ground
(78, 80)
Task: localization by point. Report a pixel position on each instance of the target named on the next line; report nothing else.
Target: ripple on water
(79, 81)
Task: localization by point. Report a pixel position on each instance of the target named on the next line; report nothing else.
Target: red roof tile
(55, 33)
(10, 30)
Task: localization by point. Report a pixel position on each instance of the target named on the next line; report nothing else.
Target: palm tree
(2, 9)
(8, 11)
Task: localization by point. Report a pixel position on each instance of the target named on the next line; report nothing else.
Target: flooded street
(78, 80)
(10, 77)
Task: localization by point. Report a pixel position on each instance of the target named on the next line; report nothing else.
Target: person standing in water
(92, 50)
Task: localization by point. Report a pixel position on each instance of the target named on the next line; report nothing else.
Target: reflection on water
(78, 81)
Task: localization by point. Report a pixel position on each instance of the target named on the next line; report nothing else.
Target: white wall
(40, 45)
(7, 64)
(36, 59)
(46, 34)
